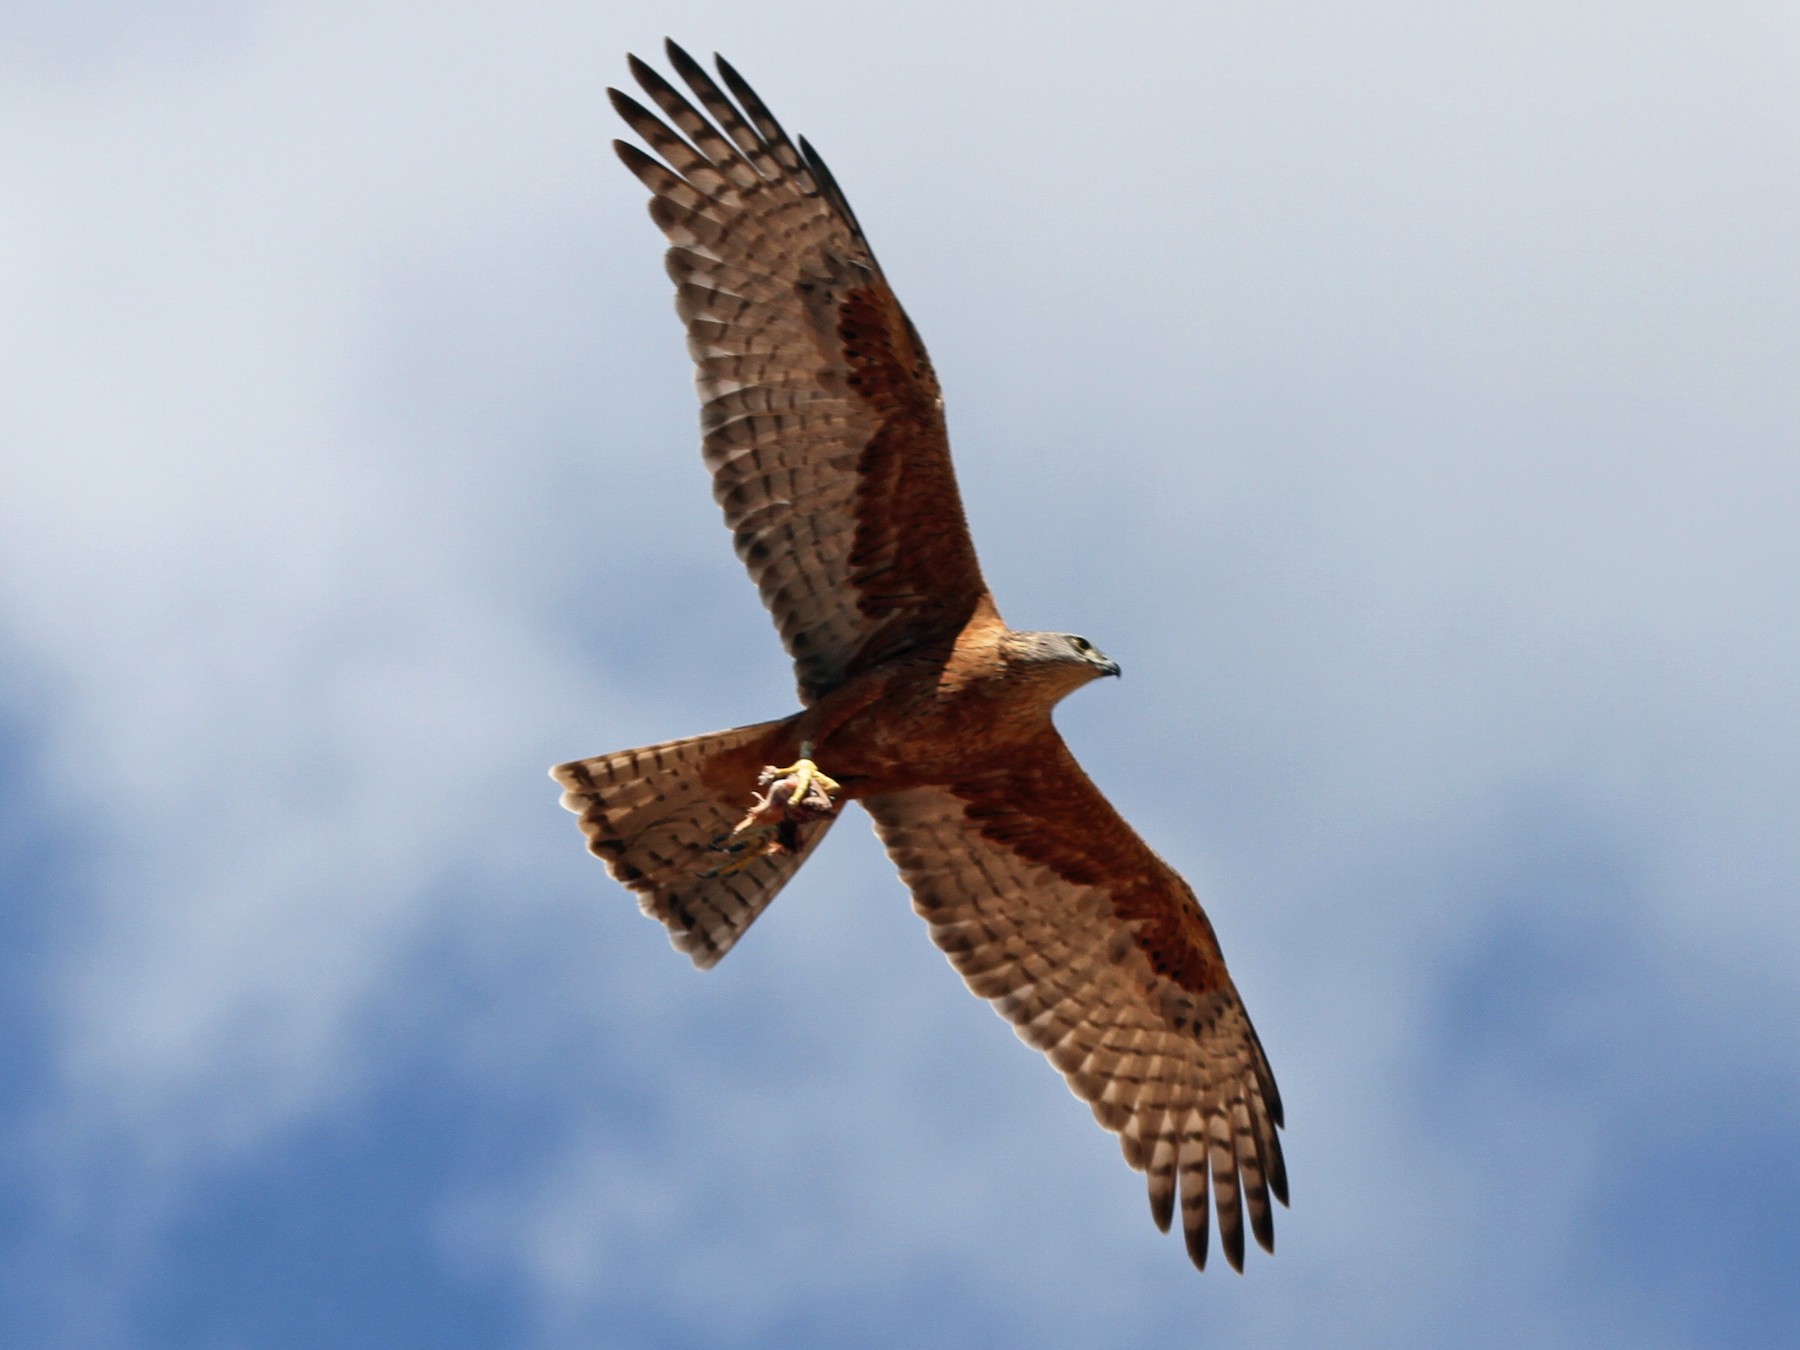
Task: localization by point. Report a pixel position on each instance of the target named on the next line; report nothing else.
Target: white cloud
(1404, 397)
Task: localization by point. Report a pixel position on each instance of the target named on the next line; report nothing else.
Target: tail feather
(654, 813)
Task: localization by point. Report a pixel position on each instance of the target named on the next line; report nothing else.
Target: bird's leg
(807, 786)
(791, 796)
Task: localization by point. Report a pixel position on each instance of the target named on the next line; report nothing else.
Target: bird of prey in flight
(824, 430)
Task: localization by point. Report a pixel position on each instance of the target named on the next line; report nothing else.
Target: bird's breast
(917, 727)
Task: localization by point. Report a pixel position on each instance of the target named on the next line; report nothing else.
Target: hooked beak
(1109, 667)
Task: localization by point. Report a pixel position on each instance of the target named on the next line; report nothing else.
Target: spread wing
(822, 421)
(1097, 952)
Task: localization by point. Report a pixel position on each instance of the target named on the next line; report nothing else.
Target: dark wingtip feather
(639, 118)
(828, 184)
(1195, 1236)
(733, 81)
(1265, 1080)
(634, 113)
(765, 122)
(1262, 1224)
(741, 90)
(636, 160)
(665, 95)
(641, 70)
(1232, 1240)
(686, 66)
(1162, 1208)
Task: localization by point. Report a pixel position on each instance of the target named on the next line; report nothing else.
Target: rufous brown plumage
(823, 426)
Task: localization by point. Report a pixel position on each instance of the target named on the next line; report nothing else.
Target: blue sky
(1404, 394)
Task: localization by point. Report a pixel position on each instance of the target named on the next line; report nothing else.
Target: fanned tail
(656, 815)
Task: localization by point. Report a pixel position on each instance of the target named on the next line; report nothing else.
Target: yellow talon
(792, 796)
(806, 776)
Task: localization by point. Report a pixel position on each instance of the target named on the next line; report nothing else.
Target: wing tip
(1195, 1239)
(1233, 1243)
(641, 69)
(1162, 1207)
(679, 58)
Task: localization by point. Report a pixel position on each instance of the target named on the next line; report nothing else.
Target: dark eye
(1081, 645)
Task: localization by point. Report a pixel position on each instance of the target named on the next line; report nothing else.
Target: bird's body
(823, 426)
(924, 718)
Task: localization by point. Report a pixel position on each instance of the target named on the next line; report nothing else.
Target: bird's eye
(1081, 644)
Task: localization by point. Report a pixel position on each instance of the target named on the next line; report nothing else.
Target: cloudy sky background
(1405, 394)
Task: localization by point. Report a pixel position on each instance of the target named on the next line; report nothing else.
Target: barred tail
(654, 813)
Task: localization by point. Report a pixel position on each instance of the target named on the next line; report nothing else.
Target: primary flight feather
(824, 431)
